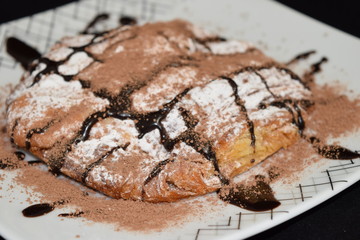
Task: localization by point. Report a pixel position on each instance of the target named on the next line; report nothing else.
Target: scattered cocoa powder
(334, 114)
(124, 214)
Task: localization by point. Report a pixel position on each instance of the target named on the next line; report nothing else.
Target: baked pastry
(156, 112)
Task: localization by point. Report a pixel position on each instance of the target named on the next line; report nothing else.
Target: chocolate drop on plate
(21, 52)
(127, 20)
(38, 210)
(254, 198)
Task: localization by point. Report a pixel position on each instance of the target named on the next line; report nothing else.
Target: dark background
(337, 218)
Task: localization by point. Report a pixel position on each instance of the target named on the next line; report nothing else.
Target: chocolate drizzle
(316, 67)
(156, 171)
(301, 56)
(53, 66)
(293, 108)
(98, 18)
(243, 109)
(21, 52)
(99, 161)
(148, 122)
(35, 131)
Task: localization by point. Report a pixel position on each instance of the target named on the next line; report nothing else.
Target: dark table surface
(337, 218)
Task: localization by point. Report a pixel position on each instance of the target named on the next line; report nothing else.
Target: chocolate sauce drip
(301, 56)
(21, 52)
(333, 151)
(254, 198)
(157, 169)
(98, 18)
(74, 214)
(127, 20)
(38, 210)
(243, 109)
(316, 67)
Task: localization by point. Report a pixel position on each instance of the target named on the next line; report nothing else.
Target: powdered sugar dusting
(281, 84)
(77, 41)
(267, 115)
(52, 92)
(215, 104)
(251, 89)
(75, 64)
(104, 136)
(59, 54)
(174, 123)
(150, 144)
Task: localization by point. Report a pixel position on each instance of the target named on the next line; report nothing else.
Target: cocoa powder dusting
(123, 214)
(334, 114)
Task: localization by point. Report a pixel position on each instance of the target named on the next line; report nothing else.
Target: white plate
(279, 31)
